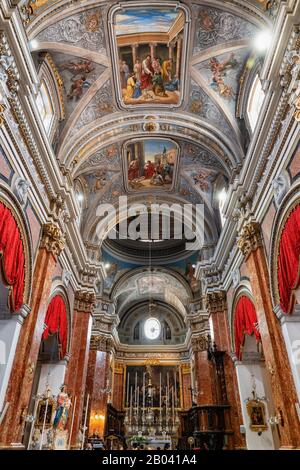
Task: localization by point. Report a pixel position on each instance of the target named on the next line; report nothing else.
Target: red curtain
(288, 261)
(56, 322)
(245, 321)
(12, 257)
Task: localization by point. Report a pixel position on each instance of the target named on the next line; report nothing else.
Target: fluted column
(76, 373)
(98, 383)
(216, 304)
(277, 364)
(23, 371)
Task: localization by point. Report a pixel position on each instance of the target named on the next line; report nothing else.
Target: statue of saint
(62, 410)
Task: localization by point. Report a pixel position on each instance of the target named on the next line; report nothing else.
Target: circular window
(152, 328)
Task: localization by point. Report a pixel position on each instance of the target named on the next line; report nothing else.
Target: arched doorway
(285, 281)
(15, 286)
(49, 373)
(253, 383)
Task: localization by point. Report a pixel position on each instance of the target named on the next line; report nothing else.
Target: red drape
(288, 261)
(56, 322)
(12, 257)
(245, 321)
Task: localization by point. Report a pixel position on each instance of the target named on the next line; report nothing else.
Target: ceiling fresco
(148, 51)
(151, 92)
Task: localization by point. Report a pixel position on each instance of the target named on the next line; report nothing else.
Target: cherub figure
(219, 72)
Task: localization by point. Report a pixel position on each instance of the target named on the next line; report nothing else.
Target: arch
(244, 321)
(287, 208)
(56, 321)
(10, 202)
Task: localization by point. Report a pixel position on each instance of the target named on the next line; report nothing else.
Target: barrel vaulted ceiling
(203, 121)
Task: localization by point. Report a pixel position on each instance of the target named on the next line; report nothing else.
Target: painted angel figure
(62, 410)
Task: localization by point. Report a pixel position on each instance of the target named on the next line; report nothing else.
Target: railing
(207, 424)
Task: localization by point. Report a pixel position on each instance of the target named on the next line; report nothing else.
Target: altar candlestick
(135, 389)
(127, 392)
(44, 424)
(130, 410)
(72, 422)
(168, 390)
(138, 402)
(173, 407)
(175, 383)
(144, 391)
(85, 418)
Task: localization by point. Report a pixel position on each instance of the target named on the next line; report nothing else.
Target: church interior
(149, 224)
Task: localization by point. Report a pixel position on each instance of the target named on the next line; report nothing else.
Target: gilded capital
(250, 238)
(101, 343)
(216, 301)
(52, 239)
(84, 301)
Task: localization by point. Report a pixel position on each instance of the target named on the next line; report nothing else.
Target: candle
(130, 411)
(144, 391)
(127, 393)
(138, 402)
(135, 389)
(175, 384)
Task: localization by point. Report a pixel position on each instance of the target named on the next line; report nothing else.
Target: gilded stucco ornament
(216, 301)
(250, 238)
(84, 301)
(52, 239)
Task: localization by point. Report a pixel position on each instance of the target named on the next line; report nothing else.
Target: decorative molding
(200, 343)
(102, 343)
(216, 301)
(250, 238)
(185, 369)
(84, 301)
(52, 239)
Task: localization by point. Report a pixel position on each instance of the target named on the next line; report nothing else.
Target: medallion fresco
(85, 30)
(214, 27)
(150, 164)
(149, 60)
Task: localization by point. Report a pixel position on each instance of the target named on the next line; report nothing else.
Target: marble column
(118, 382)
(216, 304)
(134, 53)
(186, 386)
(76, 373)
(178, 56)
(98, 383)
(171, 49)
(277, 364)
(152, 50)
(204, 372)
(22, 375)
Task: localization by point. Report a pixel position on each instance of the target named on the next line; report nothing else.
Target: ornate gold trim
(52, 239)
(250, 238)
(216, 301)
(84, 301)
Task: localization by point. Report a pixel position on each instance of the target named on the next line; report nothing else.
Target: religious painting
(257, 415)
(150, 164)
(150, 45)
(45, 413)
